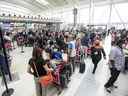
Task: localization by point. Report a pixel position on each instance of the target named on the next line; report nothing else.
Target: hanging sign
(75, 11)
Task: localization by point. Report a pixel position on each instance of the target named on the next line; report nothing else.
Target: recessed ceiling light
(44, 2)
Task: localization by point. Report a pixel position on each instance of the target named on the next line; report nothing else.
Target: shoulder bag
(44, 80)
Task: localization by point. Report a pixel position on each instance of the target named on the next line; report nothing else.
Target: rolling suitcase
(82, 65)
(82, 68)
(63, 81)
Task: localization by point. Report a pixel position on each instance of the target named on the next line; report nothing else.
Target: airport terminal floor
(86, 84)
(63, 48)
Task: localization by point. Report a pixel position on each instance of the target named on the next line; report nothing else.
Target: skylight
(44, 2)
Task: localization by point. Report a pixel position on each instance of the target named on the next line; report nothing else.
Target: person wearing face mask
(96, 54)
(116, 64)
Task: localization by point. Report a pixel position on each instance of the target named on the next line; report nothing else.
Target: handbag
(44, 80)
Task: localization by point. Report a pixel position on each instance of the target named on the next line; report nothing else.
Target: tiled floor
(81, 84)
(24, 86)
(93, 85)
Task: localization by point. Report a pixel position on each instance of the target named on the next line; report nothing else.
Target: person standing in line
(116, 64)
(85, 43)
(38, 67)
(72, 51)
(96, 54)
(125, 50)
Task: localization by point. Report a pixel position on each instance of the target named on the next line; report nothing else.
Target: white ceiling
(35, 6)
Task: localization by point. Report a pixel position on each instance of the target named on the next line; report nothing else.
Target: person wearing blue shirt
(117, 61)
(72, 52)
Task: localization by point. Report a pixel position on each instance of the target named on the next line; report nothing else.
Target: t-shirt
(72, 47)
(39, 63)
(65, 57)
(117, 55)
(97, 52)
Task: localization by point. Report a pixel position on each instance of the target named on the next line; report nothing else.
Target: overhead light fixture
(44, 2)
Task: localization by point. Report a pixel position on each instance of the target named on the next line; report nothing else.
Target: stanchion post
(8, 91)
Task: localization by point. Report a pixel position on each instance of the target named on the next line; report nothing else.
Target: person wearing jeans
(72, 52)
(117, 61)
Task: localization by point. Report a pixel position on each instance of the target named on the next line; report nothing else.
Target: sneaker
(22, 51)
(69, 80)
(114, 86)
(93, 72)
(59, 92)
(108, 89)
(125, 72)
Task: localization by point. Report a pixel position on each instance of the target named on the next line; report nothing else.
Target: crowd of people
(59, 53)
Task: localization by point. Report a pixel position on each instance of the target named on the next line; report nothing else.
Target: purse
(44, 80)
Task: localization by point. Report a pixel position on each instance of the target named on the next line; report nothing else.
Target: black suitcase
(82, 65)
(63, 81)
